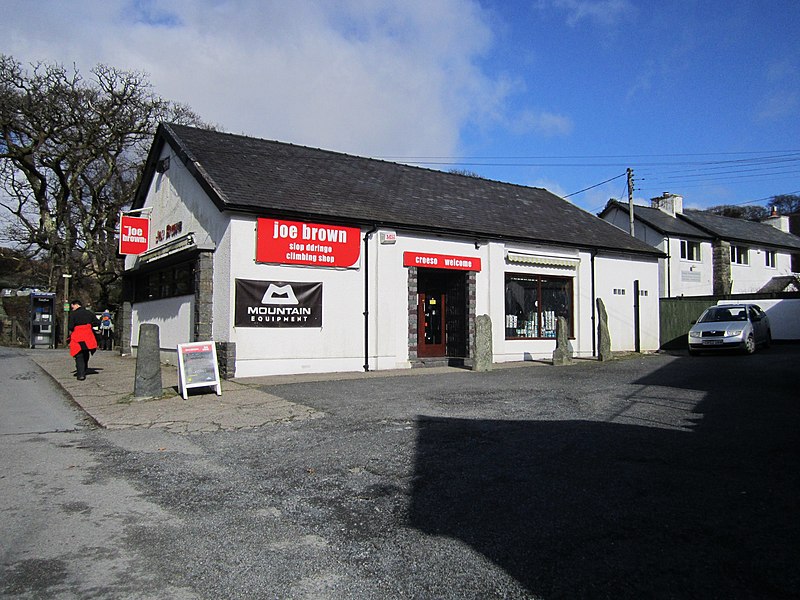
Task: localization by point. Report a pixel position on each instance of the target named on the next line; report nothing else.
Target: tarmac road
(659, 476)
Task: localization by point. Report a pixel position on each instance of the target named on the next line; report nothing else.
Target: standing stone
(603, 335)
(483, 344)
(721, 268)
(147, 383)
(562, 355)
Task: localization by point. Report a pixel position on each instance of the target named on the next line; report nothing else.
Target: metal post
(630, 201)
(66, 277)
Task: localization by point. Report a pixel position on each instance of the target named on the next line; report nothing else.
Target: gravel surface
(660, 476)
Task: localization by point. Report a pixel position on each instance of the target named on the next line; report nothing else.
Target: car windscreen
(717, 314)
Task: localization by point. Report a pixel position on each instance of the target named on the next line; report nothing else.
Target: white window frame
(694, 247)
(740, 255)
(771, 259)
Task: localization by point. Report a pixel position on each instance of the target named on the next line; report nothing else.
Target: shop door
(431, 324)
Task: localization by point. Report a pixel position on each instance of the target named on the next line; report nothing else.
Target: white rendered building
(297, 260)
(708, 254)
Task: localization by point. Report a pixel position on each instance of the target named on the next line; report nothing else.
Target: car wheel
(750, 344)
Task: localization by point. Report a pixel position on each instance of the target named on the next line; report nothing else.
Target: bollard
(147, 383)
(482, 355)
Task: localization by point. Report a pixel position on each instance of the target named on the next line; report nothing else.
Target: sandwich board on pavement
(197, 367)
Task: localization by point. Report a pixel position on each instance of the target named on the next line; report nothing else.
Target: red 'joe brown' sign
(441, 261)
(297, 243)
(134, 233)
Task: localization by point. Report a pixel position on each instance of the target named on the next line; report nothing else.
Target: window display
(177, 280)
(534, 303)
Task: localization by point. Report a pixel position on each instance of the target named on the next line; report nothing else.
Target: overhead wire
(684, 170)
(594, 186)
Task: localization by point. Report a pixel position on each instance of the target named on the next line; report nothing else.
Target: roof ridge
(339, 153)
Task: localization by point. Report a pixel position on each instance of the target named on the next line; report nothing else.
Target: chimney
(778, 220)
(671, 204)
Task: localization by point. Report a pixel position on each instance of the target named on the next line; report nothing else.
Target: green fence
(676, 314)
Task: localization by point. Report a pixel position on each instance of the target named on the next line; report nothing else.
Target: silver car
(730, 326)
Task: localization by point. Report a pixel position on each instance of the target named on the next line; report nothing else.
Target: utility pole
(630, 198)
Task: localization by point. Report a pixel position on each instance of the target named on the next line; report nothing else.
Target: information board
(197, 367)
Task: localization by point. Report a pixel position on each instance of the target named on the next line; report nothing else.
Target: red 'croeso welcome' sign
(297, 243)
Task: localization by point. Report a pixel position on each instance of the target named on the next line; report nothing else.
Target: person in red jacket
(82, 341)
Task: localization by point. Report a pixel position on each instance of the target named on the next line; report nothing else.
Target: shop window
(176, 280)
(534, 303)
(771, 259)
(690, 250)
(740, 255)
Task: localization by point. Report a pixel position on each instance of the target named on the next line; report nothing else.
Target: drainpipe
(367, 235)
(637, 334)
(669, 268)
(594, 303)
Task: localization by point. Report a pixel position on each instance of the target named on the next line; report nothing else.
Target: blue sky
(699, 98)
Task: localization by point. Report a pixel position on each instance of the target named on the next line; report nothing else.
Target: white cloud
(778, 105)
(551, 185)
(544, 123)
(602, 12)
(361, 76)
(781, 97)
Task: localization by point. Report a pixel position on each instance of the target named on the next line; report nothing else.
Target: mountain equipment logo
(275, 294)
(277, 304)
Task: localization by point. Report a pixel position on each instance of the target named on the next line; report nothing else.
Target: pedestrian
(82, 341)
(106, 331)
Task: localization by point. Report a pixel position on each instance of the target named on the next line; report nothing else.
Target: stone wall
(226, 359)
(203, 296)
(412, 314)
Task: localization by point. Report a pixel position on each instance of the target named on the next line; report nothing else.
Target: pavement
(107, 395)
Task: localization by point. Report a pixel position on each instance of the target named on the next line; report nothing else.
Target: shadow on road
(589, 509)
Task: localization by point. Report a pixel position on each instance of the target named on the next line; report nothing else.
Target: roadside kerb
(107, 397)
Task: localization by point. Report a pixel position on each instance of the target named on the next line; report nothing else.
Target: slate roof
(742, 230)
(659, 220)
(783, 283)
(277, 179)
(705, 225)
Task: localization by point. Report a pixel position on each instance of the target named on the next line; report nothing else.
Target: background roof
(705, 225)
(742, 230)
(659, 220)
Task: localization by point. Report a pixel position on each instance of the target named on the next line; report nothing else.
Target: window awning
(545, 261)
(179, 244)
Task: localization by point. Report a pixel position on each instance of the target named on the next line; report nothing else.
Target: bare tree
(71, 155)
(750, 213)
(785, 204)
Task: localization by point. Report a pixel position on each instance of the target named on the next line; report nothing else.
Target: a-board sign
(197, 367)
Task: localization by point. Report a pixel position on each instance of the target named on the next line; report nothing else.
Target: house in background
(788, 224)
(706, 253)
